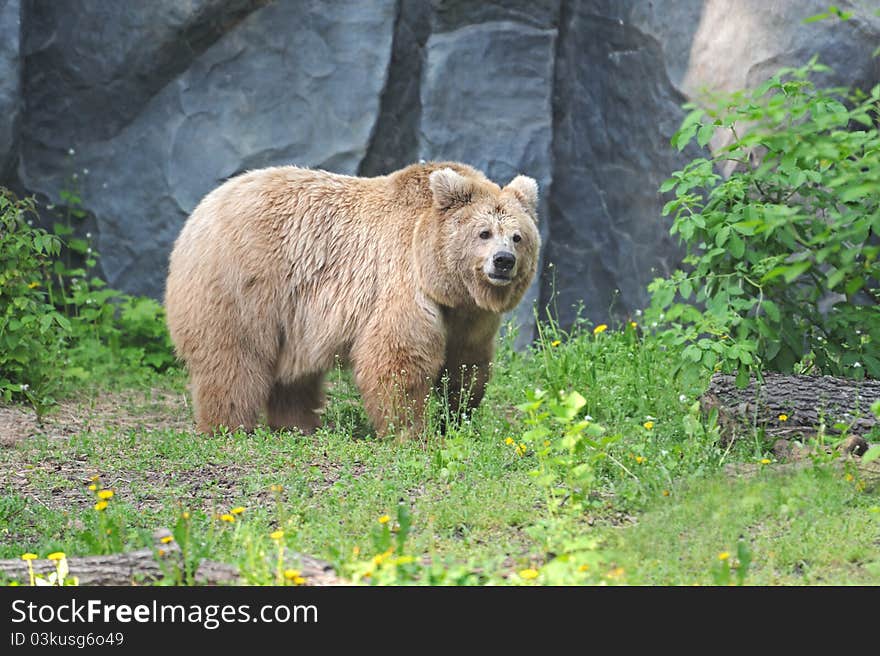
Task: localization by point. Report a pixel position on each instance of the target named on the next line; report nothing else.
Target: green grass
(659, 509)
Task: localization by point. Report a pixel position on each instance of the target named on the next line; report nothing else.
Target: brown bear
(404, 277)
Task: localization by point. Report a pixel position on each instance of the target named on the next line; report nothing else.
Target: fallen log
(146, 566)
(792, 406)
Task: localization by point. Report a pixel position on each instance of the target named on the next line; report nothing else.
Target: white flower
(104, 185)
(85, 171)
(857, 364)
(76, 176)
(25, 387)
(89, 251)
(88, 235)
(682, 398)
(71, 152)
(638, 313)
(30, 223)
(588, 418)
(50, 206)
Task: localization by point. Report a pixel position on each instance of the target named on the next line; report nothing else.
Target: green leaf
(681, 138)
(736, 246)
(854, 285)
(685, 289)
(771, 310)
(871, 454)
(742, 377)
(794, 270)
(705, 134)
(668, 185)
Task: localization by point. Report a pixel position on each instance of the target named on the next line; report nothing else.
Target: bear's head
(486, 238)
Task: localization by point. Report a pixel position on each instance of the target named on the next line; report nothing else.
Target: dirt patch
(16, 425)
(153, 409)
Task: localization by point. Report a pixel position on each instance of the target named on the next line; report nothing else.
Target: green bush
(782, 253)
(32, 331)
(59, 325)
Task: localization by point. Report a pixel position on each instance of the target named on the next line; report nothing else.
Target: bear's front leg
(395, 370)
(470, 345)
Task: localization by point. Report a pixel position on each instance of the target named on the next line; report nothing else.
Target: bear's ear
(450, 188)
(525, 189)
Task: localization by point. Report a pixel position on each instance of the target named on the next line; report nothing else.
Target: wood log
(146, 566)
(792, 406)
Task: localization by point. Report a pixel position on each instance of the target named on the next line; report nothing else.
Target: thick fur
(279, 271)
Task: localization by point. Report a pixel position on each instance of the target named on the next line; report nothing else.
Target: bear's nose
(504, 261)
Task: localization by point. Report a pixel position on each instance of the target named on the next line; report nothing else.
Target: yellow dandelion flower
(665, 493)
(57, 555)
(648, 424)
(355, 551)
(765, 461)
(384, 519)
(161, 552)
(294, 576)
(227, 518)
(546, 442)
(105, 494)
(615, 573)
(101, 505)
(167, 539)
(849, 479)
(509, 441)
(633, 324)
(555, 342)
(33, 285)
(783, 417)
(95, 478)
(640, 460)
(276, 535)
(521, 449)
(93, 487)
(237, 510)
(276, 488)
(724, 555)
(528, 574)
(185, 514)
(584, 568)
(29, 556)
(601, 328)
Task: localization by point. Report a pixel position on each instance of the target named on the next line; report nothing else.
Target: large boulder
(623, 69)
(720, 45)
(10, 83)
(286, 83)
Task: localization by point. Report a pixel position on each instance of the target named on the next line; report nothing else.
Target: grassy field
(622, 483)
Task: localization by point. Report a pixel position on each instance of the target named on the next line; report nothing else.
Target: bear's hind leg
(232, 395)
(297, 405)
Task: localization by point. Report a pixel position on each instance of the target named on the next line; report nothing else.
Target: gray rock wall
(10, 83)
(161, 101)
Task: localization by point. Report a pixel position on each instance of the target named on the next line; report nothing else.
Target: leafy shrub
(58, 325)
(782, 253)
(32, 332)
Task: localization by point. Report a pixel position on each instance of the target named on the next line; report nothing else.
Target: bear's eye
(485, 234)
(517, 239)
